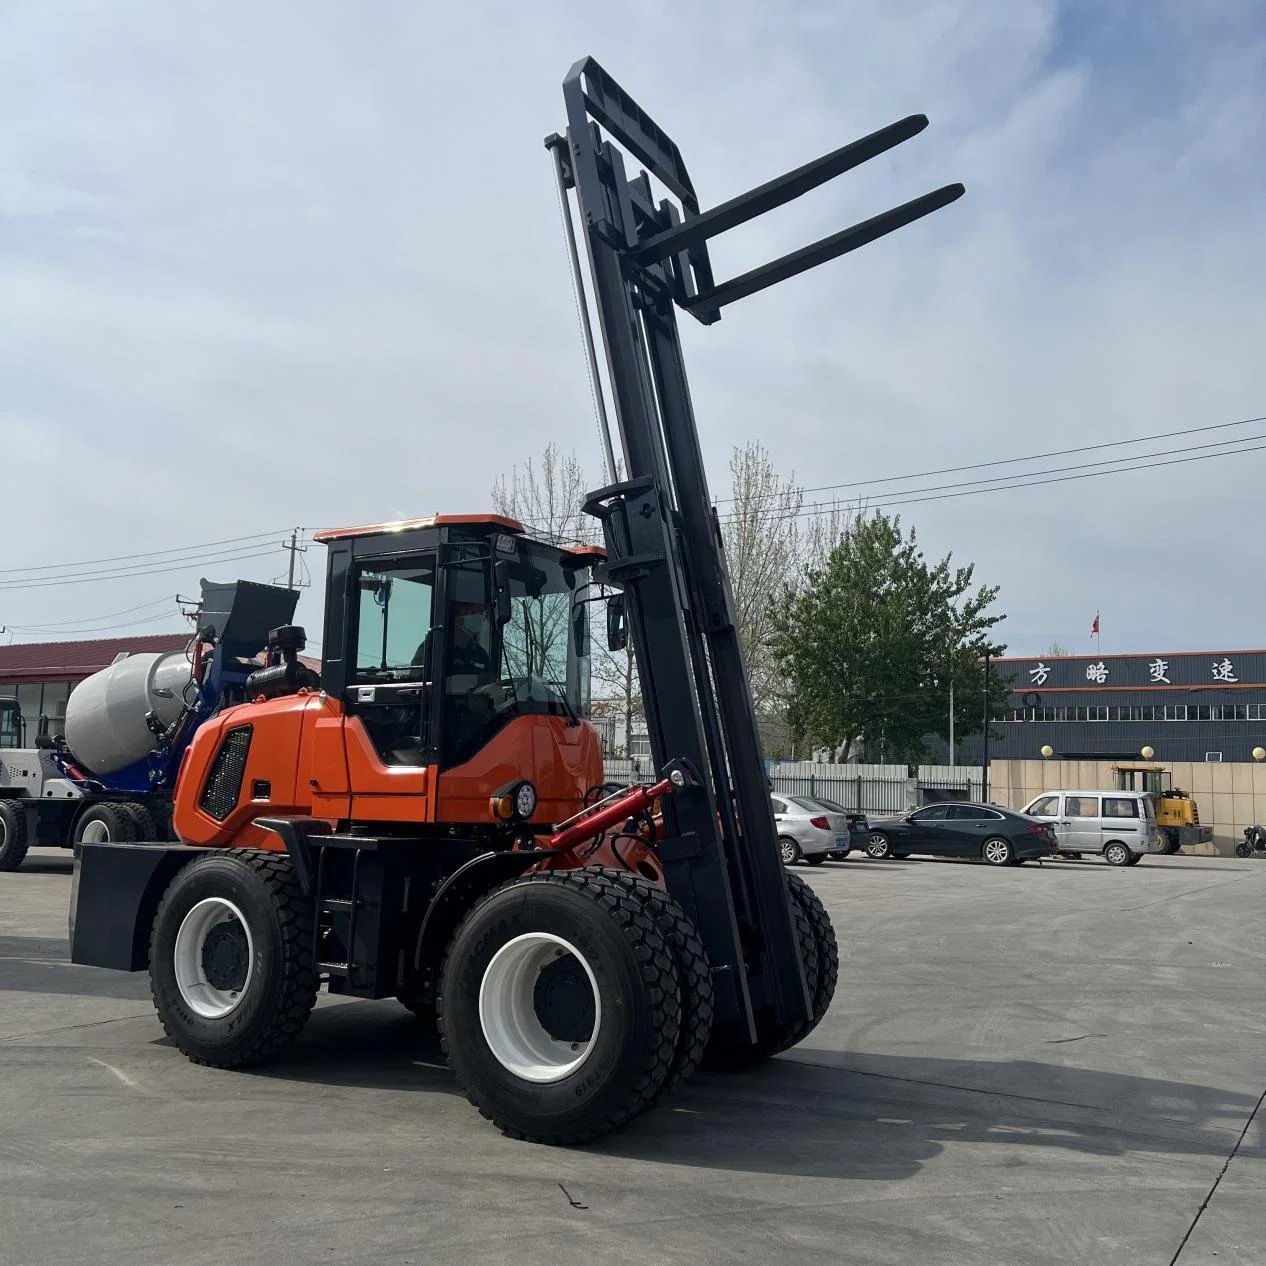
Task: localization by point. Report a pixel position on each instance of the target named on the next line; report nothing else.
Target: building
(1188, 706)
(41, 675)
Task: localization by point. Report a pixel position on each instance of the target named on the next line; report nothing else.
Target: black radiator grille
(224, 783)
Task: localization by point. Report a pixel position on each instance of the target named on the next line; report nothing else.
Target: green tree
(871, 640)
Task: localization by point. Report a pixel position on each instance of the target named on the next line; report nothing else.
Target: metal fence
(870, 789)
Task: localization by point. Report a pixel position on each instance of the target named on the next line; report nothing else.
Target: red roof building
(41, 675)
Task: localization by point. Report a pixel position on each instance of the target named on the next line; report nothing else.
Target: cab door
(388, 697)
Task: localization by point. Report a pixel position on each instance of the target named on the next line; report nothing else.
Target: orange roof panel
(412, 525)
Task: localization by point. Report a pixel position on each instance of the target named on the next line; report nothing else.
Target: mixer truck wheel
(104, 823)
(820, 957)
(231, 967)
(13, 837)
(142, 820)
(560, 1005)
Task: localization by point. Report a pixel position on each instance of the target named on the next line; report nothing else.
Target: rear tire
(13, 837)
(1116, 854)
(1135, 858)
(142, 820)
(104, 823)
(788, 850)
(560, 1005)
(814, 859)
(231, 968)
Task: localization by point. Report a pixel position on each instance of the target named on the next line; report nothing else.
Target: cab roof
(412, 525)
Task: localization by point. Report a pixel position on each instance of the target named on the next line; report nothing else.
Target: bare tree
(546, 497)
(1056, 650)
(761, 535)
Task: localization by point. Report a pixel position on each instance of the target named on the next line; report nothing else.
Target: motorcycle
(1254, 842)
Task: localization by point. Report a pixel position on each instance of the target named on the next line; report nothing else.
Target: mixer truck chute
(109, 778)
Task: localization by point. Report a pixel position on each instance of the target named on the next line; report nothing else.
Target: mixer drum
(105, 715)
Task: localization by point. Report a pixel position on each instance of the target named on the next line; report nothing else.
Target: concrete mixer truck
(109, 778)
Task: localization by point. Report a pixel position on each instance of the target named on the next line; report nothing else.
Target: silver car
(809, 831)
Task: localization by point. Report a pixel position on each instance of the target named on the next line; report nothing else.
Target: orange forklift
(426, 818)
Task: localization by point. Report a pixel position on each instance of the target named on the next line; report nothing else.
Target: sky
(301, 264)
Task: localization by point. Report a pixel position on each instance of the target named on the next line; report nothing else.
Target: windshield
(535, 662)
(10, 723)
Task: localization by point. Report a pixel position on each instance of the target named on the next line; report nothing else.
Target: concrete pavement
(1031, 1065)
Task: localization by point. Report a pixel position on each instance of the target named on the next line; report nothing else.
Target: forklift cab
(441, 631)
(12, 727)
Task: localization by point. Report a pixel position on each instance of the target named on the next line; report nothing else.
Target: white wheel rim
(1116, 853)
(96, 832)
(877, 847)
(507, 1010)
(204, 998)
(788, 852)
(996, 851)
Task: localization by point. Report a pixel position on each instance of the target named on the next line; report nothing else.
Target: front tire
(1116, 854)
(878, 846)
(998, 851)
(13, 837)
(560, 1006)
(231, 967)
(820, 958)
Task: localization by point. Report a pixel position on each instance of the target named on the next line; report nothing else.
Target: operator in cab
(469, 646)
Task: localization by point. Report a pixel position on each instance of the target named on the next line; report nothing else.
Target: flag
(1094, 628)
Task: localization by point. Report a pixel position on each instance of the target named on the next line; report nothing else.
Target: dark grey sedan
(960, 829)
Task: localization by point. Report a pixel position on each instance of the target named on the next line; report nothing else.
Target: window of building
(639, 745)
(1120, 807)
(1175, 712)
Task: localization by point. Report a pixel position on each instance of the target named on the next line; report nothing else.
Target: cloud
(279, 264)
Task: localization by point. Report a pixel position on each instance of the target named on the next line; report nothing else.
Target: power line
(1021, 482)
(1034, 457)
(124, 558)
(1120, 465)
(89, 619)
(8, 586)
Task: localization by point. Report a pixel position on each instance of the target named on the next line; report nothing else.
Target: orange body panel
(563, 761)
(319, 763)
(281, 733)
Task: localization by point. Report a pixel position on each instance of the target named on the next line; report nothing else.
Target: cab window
(1046, 807)
(1120, 807)
(394, 623)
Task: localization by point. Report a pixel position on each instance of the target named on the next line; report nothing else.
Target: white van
(1119, 824)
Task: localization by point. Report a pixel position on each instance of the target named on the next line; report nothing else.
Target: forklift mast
(648, 256)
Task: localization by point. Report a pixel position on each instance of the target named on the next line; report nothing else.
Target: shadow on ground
(826, 1113)
(40, 964)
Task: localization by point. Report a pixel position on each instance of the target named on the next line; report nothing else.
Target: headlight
(525, 801)
(513, 803)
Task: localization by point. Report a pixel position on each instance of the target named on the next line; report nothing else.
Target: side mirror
(617, 623)
(501, 598)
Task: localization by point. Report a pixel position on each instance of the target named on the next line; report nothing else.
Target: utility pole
(984, 769)
(295, 549)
